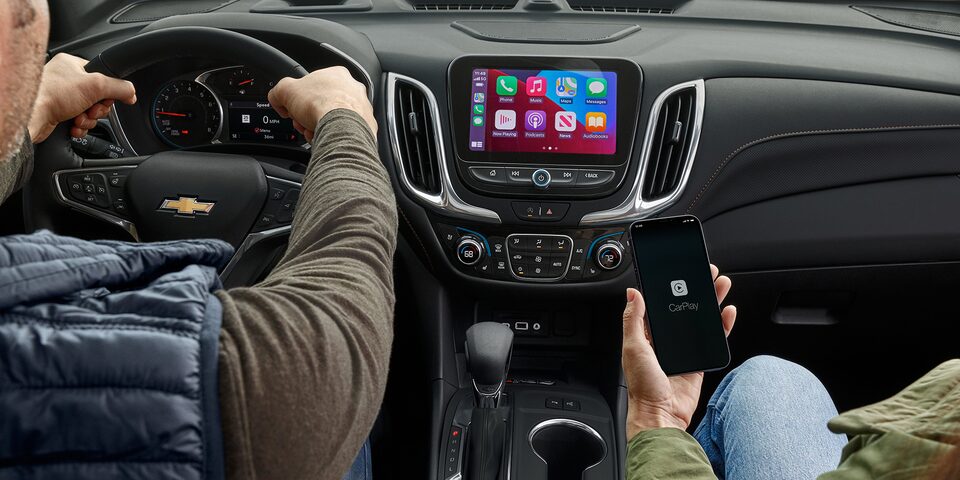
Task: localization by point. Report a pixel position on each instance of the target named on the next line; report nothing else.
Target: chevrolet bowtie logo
(186, 205)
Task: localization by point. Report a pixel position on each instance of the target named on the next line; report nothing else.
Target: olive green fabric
(304, 354)
(898, 438)
(16, 170)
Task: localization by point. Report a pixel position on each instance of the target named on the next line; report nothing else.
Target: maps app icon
(567, 87)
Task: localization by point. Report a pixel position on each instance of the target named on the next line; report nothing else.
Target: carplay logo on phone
(679, 288)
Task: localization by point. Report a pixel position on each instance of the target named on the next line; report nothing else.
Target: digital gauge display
(186, 113)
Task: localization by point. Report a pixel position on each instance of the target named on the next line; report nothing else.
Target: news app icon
(535, 120)
(567, 86)
(565, 121)
(536, 86)
(595, 122)
(505, 120)
(679, 288)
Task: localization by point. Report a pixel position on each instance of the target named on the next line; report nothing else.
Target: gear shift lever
(488, 349)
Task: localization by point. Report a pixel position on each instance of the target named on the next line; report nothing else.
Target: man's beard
(21, 67)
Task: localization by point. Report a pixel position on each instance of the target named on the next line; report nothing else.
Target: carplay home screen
(681, 300)
(546, 111)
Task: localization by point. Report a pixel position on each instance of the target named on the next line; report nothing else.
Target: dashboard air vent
(416, 138)
(610, 9)
(673, 137)
(454, 5)
(464, 6)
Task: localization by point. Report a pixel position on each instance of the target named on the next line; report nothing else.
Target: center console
(531, 169)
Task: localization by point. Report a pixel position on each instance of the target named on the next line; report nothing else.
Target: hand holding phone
(654, 399)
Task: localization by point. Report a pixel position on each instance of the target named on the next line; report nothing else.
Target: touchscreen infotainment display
(543, 111)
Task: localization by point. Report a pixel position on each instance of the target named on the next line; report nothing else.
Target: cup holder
(568, 447)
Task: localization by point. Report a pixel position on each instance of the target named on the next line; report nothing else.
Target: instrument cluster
(224, 105)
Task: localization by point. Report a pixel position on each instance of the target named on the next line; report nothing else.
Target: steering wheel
(174, 194)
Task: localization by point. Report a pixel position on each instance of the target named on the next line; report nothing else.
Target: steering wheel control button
(520, 175)
(277, 194)
(593, 178)
(469, 251)
(541, 179)
(564, 177)
(494, 175)
(609, 255)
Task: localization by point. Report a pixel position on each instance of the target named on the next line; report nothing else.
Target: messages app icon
(597, 87)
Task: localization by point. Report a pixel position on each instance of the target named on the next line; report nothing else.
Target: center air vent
(462, 6)
(416, 138)
(654, 7)
(674, 137)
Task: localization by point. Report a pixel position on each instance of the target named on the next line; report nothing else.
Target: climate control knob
(469, 251)
(609, 255)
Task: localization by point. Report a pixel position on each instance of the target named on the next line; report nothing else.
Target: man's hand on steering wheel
(306, 100)
(68, 91)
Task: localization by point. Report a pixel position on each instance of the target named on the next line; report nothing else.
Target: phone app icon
(535, 120)
(478, 109)
(595, 122)
(567, 86)
(597, 87)
(478, 97)
(477, 121)
(536, 86)
(505, 120)
(565, 121)
(506, 85)
(679, 288)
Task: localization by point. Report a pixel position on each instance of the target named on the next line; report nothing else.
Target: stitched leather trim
(802, 133)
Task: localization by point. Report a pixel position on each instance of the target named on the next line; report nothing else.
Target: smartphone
(670, 258)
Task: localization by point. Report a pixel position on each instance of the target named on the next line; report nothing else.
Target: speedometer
(186, 114)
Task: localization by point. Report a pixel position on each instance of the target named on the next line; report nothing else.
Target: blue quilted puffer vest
(108, 359)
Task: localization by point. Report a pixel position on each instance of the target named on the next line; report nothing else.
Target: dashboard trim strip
(447, 201)
(634, 207)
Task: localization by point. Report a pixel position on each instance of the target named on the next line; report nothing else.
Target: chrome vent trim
(635, 207)
(446, 200)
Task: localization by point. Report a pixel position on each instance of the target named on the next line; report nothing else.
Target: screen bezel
(719, 364)
(460, 77)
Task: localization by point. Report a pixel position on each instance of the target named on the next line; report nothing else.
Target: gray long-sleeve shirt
(304, 354)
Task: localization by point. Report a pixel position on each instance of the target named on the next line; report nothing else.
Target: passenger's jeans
(361, 469)
(768, 419)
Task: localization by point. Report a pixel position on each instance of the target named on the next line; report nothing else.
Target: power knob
(469, 251)
(609, 255)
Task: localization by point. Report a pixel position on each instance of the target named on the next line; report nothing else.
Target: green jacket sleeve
(666, 453)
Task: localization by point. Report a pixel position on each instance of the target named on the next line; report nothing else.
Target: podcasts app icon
(535, 120)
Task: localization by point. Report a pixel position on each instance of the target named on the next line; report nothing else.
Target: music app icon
(536, 86)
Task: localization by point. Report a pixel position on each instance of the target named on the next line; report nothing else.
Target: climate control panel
(565, 256)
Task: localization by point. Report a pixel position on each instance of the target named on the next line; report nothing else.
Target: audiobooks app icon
(595, 122)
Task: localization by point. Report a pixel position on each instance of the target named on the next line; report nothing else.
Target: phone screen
(682, 311)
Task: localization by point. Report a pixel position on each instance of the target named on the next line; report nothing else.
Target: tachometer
(186, 114)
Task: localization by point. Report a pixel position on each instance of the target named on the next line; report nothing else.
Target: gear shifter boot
(485, 443)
